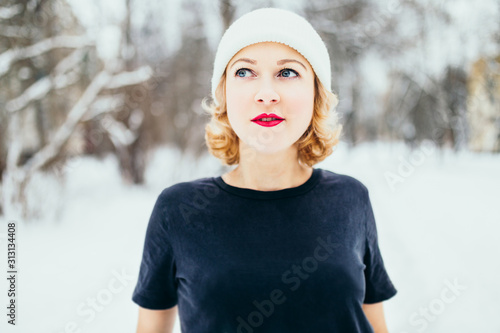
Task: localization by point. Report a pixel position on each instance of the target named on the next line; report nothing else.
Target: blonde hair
(314, 145)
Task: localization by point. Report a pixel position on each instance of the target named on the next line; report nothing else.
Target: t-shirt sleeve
(156, 287)
(378, 285)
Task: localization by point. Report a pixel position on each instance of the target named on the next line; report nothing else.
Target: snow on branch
(104, 104)
(67, 128)
(101, 81)
(14, 31)
(10, 56)
(69, 62)
(9, 12)
(34, 92)
(58, 80)
(130, 78)
(119, 134)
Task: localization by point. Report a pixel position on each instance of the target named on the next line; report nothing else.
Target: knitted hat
(273, 25)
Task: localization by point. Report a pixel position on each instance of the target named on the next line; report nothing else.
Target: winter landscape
(100, 111)
(439, 232)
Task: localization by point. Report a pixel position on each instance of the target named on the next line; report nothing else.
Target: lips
(267, 120)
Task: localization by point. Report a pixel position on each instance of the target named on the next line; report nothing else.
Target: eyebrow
(279, 62)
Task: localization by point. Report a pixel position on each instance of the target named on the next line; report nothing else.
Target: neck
(268, 172)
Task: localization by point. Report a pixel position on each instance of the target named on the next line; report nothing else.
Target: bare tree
(49, 71)
(352, 28)
(483, 104)
(227, 10)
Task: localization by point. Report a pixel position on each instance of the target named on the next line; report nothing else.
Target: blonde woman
(274, 245)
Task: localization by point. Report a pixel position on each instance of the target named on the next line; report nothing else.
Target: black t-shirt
(236, 260)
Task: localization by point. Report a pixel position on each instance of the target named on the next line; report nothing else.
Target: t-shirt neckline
(267, 195)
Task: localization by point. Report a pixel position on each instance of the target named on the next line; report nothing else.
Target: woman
(274, 245)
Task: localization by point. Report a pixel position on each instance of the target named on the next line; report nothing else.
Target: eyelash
(281, 70)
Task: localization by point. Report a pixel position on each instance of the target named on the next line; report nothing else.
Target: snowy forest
(100, 109)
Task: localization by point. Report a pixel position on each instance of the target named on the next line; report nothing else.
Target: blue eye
(287, 72)
(241, 70)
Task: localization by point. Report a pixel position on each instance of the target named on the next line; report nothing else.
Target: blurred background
(100, 110)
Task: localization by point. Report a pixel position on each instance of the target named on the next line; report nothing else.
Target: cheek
(237, 103)
(300, 105)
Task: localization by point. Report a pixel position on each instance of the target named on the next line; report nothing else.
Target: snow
(36, 91)
(130, 78)
(108, 42)
(9, 12)
(102, 20)
(440, 224)
(437, 228)
(120, 135)
(437, 212)
(108, 12)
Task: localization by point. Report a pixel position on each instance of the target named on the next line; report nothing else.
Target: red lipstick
(267, 120)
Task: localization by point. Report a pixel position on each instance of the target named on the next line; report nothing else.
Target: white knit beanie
(273, 25)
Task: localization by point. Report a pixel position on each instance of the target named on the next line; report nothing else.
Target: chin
(272, 149)
(268, 141)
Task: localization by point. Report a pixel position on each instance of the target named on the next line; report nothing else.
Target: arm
(375, 315)
(156, 321)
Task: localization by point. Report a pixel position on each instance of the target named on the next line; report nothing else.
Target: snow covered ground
(438, 221)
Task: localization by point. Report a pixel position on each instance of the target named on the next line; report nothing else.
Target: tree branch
(120, 135)
(104, 104)
(130, 78)
(57, 80)
(13, 31)
(101, 81)
(10, 56)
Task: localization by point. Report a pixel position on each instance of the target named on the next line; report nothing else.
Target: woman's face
(269, 80)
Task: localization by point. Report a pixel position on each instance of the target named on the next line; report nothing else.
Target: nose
(267, 95)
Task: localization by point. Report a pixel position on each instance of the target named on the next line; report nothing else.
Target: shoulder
(188, 190)
(179, 202)
(191, 188)
(188, 196)
(343, 182)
